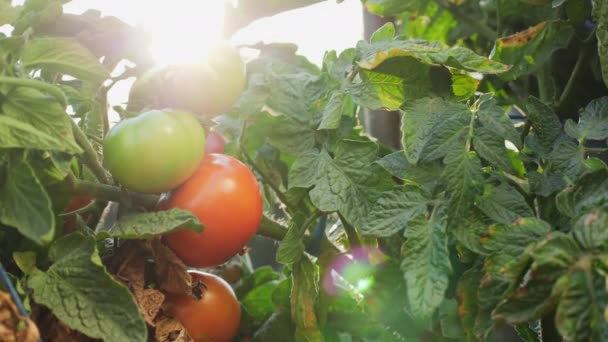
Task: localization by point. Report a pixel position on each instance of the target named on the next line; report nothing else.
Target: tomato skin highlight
(215, 142)
(155, 151)
(224, 194)
(215, 317)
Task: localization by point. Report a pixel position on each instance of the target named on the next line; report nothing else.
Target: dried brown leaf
(170, 329)
(171, 273)
(13, 326)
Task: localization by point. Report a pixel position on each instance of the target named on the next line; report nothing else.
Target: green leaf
(295, 96)
(80, 292)
(590, 191)
(468, 229)
(431, 125)
(391, 84)
(503, 204)
(147, 225)
(18, 134)
(463, 85)
(63, 55)
(42, 112)
(463, 177)
(600, 14)
(512, 239)
(385, 32)
(258, 302)
(339, 104)
(593, 121)
(495, 119)
(466, 292)
(349, 182)
(529, 50)
(291, 248)
(390, 7)
(260, 276)
(393, 211)
(590, 230)
(426, 263)
(580, 312)
(25, 205)
(546, 125)
(491, 147)
(304, 293)
(423, 175)
(371, 55)
(8, 13)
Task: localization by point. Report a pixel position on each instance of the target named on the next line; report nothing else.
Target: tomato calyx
(198, 290)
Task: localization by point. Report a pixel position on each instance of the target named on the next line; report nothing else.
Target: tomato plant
(211, 313)
(155, 151)
(223, 193)
(444, 179)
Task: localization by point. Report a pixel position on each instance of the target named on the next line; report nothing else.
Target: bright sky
(185, 29)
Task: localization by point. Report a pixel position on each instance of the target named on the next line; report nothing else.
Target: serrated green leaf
(503, 204)
(463, 176)
(147, 225)
(63, 55)
(468, 229)
(512, 239)
(466, 292)
(590, 191)
(291, 248)
(426, 263)
(431, 125)
(580, 312)
(600, 14)
(349, 182)
(44, 113)
(491, 147)
(495, 119)
(593, 121)
(391, 84)
(385, 32)
(339, 104)
(371, 55)
(529, 50)
(80, 292)
(304, 293)
(423, 175)
(590, 230)
(295, 95)
(393, 211)
(546, 125)
(18, 134)
(25, 205)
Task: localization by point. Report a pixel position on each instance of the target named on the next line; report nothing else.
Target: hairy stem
(108, 192)
(90, 156)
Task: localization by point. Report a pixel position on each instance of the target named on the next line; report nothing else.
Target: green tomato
(155, 151)
(207, 88)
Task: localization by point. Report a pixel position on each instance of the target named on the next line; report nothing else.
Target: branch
(108, 192)
(583, 55)
(90, 156)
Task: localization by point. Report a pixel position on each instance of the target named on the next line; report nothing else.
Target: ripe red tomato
(215, 316)
(77, 202)
(224, 195)
(215, 142)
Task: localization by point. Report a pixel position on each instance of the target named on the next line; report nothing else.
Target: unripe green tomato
(211, 87)
(207, 88)
(155, 151)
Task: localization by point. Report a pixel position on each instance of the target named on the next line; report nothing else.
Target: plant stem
(477, 25)
(90, 156)
(108, 192)
(42, 86)
(271, 229)
(351, 233)
(583, 55)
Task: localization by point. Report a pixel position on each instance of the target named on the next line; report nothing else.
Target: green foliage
(490, 217)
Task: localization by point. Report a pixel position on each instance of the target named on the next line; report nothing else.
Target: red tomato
(77, 202)
(224, 195)
(215, 142)
(215, 316)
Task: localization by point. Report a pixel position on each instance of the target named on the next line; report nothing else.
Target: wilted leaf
(13, 326)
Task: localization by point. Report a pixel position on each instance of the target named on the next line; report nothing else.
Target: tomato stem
(90, 156)
(109, 193)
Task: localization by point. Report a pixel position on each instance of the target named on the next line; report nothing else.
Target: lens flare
(353, 271)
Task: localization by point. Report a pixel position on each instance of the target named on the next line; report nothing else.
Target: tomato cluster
(164, 149)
